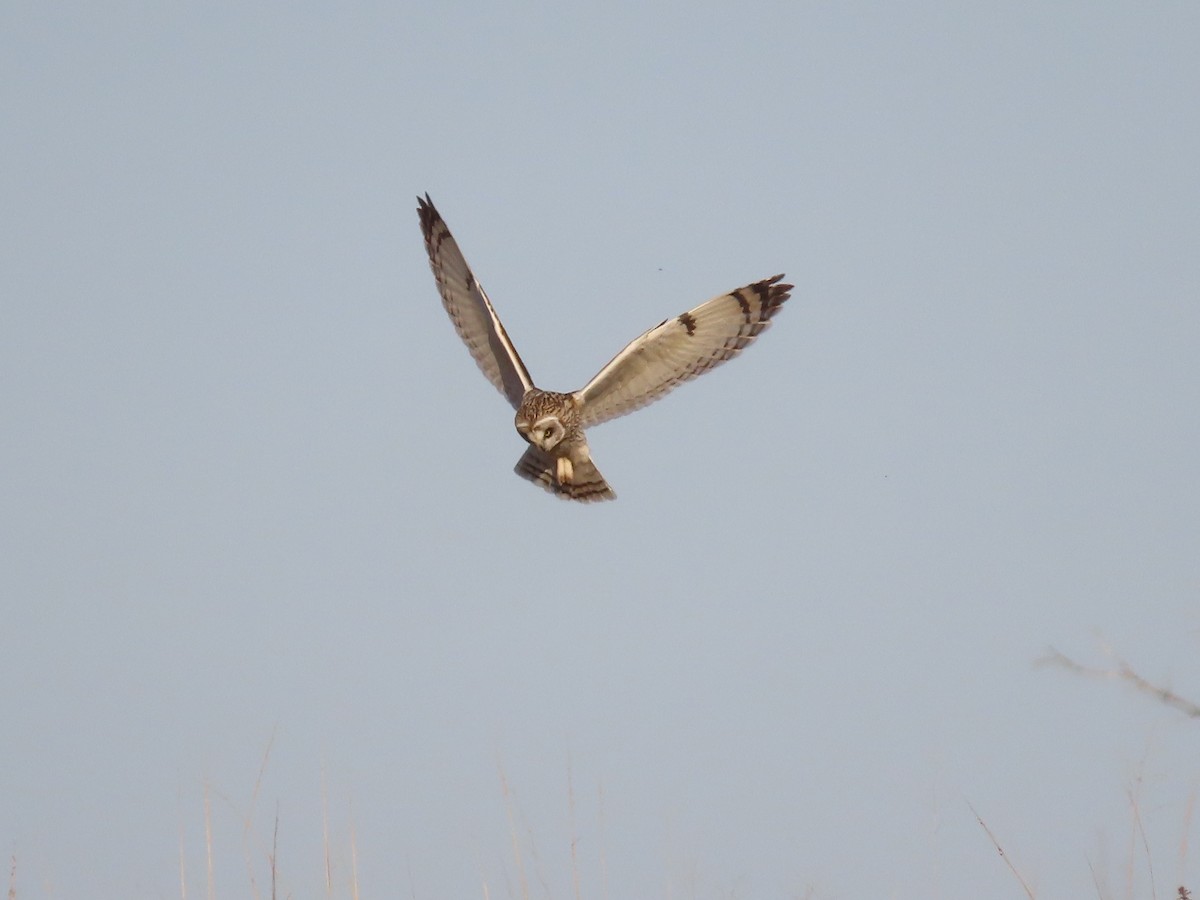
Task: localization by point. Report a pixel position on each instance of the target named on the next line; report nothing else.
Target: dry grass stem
(538, 869)
(208, 839)
(182, 862)
(512, 830)
(1095, 879)
(1189, 811)
(274, 852)
(574, 831)
(1122, 671)
(1008, 862)
(1139, 832)
(603, 851)
(325, 833)
(354, 860)
(248, 819)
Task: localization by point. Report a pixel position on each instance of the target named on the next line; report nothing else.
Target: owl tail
(581, 480)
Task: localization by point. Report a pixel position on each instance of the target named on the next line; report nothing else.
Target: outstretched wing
(470, 310)
(680, 349)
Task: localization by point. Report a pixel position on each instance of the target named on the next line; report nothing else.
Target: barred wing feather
(470, 310)
(681, 348)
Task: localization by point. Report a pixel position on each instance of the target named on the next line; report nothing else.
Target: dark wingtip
(776, 293)
(427, 213)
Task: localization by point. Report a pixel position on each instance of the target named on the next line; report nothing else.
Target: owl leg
(565, 470)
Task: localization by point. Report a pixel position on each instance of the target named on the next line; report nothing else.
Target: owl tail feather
(581, 481)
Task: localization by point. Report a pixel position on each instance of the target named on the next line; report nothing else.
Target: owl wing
(470, 310)
(679, 349)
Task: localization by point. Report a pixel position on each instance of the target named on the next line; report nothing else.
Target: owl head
(545, 433)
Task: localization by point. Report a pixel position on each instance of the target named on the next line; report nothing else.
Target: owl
(552, 424)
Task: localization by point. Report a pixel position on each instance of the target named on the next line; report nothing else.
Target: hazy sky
(257, 506)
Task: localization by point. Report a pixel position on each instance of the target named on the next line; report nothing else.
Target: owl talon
(565, 471)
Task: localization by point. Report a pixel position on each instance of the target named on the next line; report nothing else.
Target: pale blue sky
(252, 484)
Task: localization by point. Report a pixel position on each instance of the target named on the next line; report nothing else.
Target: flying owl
(672, 352)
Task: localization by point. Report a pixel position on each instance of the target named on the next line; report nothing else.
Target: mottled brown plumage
(674, 351)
